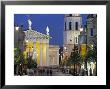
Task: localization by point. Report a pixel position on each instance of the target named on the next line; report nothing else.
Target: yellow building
(37, 45)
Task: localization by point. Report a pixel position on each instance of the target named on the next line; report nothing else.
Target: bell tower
(72, 25)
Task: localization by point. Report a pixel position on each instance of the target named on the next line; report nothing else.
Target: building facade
(92, 41)
(37, 46)
(19, 37)
(72, 25)
(54, 55)
(92, 30)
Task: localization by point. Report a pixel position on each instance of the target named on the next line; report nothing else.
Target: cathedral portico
(37, 45)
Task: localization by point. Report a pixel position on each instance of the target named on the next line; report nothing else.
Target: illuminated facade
(72, 25)
(37, 46)
(54, 55)
(92, 30)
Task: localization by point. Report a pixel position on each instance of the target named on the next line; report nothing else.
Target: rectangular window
(70, 26)
(70, 14)
(76, 39)
(91, 32)
(76, 25)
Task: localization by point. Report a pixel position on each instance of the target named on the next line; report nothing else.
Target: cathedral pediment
(34, 35)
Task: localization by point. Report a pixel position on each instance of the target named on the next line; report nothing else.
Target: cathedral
(72, 25)
(37, 47)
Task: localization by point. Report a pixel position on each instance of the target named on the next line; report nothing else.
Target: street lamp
(17, 28)
(65, 48)
(26, 41)
(81, 29)
(17, 35)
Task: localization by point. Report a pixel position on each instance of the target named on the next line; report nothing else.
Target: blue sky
(55, 22)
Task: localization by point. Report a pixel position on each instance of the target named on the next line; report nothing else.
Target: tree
(91, 55)
(75, 59)
(31, 63)
(69, 62)
(25, 55)
(17, 56)
(18, 60)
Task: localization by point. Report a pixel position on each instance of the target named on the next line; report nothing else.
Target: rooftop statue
(30, 23)
(47, 30)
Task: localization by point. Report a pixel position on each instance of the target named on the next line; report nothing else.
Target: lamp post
(17, 28)
(65, 57)
(81, 29)
(17, 31)
(26, 41)
(17, 45)
(65, 48)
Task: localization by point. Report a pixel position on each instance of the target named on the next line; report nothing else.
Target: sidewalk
(59, 73)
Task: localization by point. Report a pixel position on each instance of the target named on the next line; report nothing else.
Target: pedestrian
(34, 70)
(47, 72)
(24, 71)
(90, 72)
(50, 72)
(82, 72)
(27, 71)
(43, 71)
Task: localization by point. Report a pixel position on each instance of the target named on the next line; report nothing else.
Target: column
(47, 54)
(43, 52)
(53, 61)
(40, 52)
(34, 51)
(57, 57)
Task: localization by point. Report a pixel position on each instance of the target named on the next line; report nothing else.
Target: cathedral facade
(38, 48)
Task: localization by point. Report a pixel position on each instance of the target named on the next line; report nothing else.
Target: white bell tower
(72, 25)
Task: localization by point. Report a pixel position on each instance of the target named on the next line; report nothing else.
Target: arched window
(76, 39)
(65, 26)
(91, 32)
(70, 26)
(76, 25)
(70, 14)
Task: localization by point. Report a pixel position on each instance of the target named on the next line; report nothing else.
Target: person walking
(50, 72)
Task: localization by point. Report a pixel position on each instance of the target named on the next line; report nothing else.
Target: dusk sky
(55, 22)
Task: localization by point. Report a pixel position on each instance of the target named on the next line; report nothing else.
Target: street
(46, 72)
